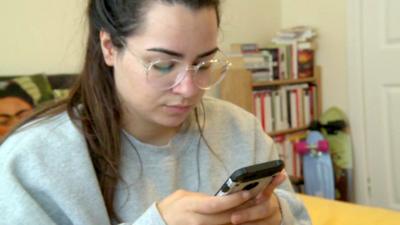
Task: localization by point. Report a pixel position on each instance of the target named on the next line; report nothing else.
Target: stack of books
(285, 107)
(299, 46)
(287, 153)
(290, 55)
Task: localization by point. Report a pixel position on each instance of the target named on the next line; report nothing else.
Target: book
(307, 108)
(245, 48)
(301, 50)
(293, 109)
(277, 111)
(274, 52)
(268, 119)
(284, 108)
(305, 59)
(259, 75)
(300, 33)
(257, 107)
(299, 108)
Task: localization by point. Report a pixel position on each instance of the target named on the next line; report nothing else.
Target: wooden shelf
(288, 131)
(237, 87)
(284, 82)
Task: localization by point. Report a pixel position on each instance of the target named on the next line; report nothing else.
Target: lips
(178, 109)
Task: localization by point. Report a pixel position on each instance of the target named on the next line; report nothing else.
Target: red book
(262, 96)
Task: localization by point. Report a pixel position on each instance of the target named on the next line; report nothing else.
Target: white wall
(254, 21)
(48, 36)
(41, 36)
(329, 18)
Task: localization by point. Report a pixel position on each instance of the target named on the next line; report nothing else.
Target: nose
(186, 88)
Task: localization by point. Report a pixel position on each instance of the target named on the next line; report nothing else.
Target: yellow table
(329, 212)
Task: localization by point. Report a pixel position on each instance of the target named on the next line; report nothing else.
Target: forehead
(178, 28)
(11, 105)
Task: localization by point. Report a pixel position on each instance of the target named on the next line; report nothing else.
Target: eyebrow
(180, 55)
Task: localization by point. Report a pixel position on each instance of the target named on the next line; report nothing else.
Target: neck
(149, 133)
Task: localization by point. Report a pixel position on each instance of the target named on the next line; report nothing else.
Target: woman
(139, 144)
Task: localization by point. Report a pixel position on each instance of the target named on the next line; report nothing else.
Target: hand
(191, 208)
(264, 209)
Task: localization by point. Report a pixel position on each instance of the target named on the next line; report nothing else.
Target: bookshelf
(238, 88)
(281, 85)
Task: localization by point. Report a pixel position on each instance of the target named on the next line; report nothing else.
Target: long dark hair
(93, 101)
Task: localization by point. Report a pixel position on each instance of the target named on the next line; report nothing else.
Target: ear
(107, 47)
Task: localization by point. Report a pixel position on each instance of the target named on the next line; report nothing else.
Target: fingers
(266, 194)
(219, 218)
(217, 204)
(249, 203)
(183, 207)
(256, 212)
(265, 211)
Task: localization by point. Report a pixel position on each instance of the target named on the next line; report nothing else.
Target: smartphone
(252, 178)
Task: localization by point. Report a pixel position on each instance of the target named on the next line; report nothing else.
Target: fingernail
(236, 218)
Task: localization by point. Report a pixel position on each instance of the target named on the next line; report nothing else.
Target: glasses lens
(163, 73)
(210, 73)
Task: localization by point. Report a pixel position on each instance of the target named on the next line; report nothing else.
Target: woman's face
(168, 32)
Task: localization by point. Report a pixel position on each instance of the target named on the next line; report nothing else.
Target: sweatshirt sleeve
(292, 209)
(150, 217)
(47, 181)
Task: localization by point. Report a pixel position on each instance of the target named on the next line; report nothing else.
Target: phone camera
(250, 186)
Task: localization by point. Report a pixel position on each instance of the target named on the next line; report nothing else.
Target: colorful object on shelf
(317, 166)
(334, 127)
(316, 149)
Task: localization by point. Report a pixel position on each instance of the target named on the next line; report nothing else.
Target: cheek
(3, 130)
(132, 86)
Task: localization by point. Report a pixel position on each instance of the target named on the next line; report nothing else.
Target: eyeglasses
(166, 74)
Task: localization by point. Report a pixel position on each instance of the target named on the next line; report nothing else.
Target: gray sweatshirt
(47, 177)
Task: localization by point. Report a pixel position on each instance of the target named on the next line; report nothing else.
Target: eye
(5, 119)
(22, 113)
(164, 67)
(207, 65)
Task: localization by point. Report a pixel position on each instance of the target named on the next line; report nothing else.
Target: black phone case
(253, 178)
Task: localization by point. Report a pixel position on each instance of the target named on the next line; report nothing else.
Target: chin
(172, 121)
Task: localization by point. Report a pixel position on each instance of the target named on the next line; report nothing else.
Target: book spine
(293, 109)
(268, 113)
(307, 109)
(257, 107)
(295, 71)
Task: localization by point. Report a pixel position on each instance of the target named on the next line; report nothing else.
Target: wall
(243, 22)
(41, 36)
(48, 36)
(329, 18)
